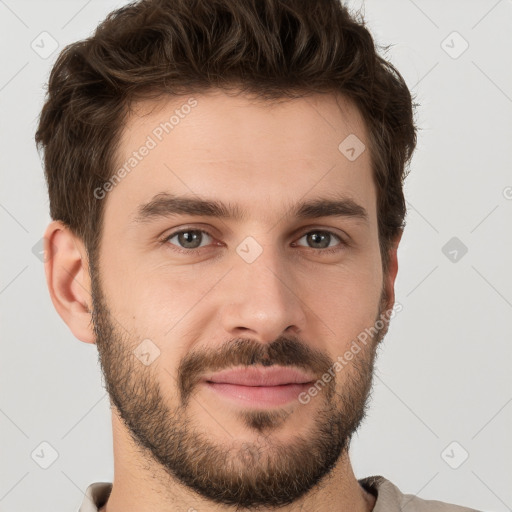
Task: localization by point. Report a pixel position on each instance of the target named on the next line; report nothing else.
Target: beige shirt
(389, 498)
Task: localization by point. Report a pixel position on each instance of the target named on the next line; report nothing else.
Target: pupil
(189, 237)
(315, 238)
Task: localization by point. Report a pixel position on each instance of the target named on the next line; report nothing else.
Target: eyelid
(208, 229)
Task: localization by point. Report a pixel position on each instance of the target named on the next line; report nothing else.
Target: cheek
(118, 273)
(164, 299)
(348, 303)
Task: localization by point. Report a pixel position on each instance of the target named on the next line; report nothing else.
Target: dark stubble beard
(258, 475)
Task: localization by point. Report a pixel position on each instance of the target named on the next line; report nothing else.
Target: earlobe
(68, 279)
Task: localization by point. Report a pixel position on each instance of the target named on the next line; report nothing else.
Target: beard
(261, 473)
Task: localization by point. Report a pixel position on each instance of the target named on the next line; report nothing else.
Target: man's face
(268, 289)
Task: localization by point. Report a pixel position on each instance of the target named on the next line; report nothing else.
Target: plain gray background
(442, 390)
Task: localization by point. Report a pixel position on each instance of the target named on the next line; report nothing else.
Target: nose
(263, 300)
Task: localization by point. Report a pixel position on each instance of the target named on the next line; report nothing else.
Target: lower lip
(259, 395)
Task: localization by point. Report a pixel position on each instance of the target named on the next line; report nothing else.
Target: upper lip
(267, 376)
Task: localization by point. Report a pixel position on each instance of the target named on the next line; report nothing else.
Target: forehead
(242, 150)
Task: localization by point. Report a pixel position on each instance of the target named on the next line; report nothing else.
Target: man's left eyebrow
(165, 205)
(342, 207)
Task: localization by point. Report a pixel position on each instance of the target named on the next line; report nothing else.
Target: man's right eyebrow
(167, 205)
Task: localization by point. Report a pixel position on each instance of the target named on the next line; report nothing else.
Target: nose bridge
(266, 275)
(262, 296)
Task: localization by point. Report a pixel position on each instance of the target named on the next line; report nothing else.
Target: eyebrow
(165, 205)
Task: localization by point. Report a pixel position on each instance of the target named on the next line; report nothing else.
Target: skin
(209, 308)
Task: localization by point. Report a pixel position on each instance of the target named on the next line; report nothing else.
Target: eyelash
(325, 251)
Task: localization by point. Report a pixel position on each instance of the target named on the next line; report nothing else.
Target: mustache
(247, 352)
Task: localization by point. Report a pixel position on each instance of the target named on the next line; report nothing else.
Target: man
(225, 179)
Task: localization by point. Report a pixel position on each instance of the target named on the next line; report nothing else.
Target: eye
(320, 239)
(188, 239)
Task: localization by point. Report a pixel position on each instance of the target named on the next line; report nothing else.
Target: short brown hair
(272, 48)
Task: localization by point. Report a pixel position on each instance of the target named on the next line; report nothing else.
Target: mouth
(259, 387)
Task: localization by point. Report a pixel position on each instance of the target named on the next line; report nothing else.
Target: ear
(68, 279)
(390, 277)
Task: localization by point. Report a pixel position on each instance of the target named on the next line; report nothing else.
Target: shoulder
(96, 495)
(391, 499)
